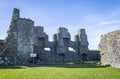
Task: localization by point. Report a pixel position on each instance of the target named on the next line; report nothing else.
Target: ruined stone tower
(20, 38)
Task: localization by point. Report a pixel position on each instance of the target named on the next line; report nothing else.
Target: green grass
(60, 71)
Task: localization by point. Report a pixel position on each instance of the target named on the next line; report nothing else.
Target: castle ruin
(26, 43)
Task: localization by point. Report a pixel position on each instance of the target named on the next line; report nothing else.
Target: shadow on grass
(11, 67)
(71, 65)
(58, 65)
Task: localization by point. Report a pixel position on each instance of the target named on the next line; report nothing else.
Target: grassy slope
(61, 71)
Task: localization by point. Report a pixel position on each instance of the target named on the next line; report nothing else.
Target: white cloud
(104, 23)
(109, 22)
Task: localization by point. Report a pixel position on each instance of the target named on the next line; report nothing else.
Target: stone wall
(24, 39)
(110, 48)
(12, 37)
(2, 45)
(4, 60)
(95, 55)
(63, 39)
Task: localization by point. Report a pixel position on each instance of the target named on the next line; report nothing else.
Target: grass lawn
(60, 71)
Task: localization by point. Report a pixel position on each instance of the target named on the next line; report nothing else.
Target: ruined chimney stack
(16, 14)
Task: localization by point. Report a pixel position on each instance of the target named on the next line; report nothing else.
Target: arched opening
(62, 57)
(41, 41)
(65, 41)
(84, 57)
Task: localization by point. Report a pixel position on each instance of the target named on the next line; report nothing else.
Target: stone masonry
(110, 49)
(26, 44)
(2, 45)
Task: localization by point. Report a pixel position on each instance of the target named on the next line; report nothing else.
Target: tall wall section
(20, 39)
(109, 47)
(82, 44)
(11, 40)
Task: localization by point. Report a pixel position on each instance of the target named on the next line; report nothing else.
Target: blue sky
(96, 16)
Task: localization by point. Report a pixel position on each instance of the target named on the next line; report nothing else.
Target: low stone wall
(110, 49)
(95, 54)
(5, 61)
